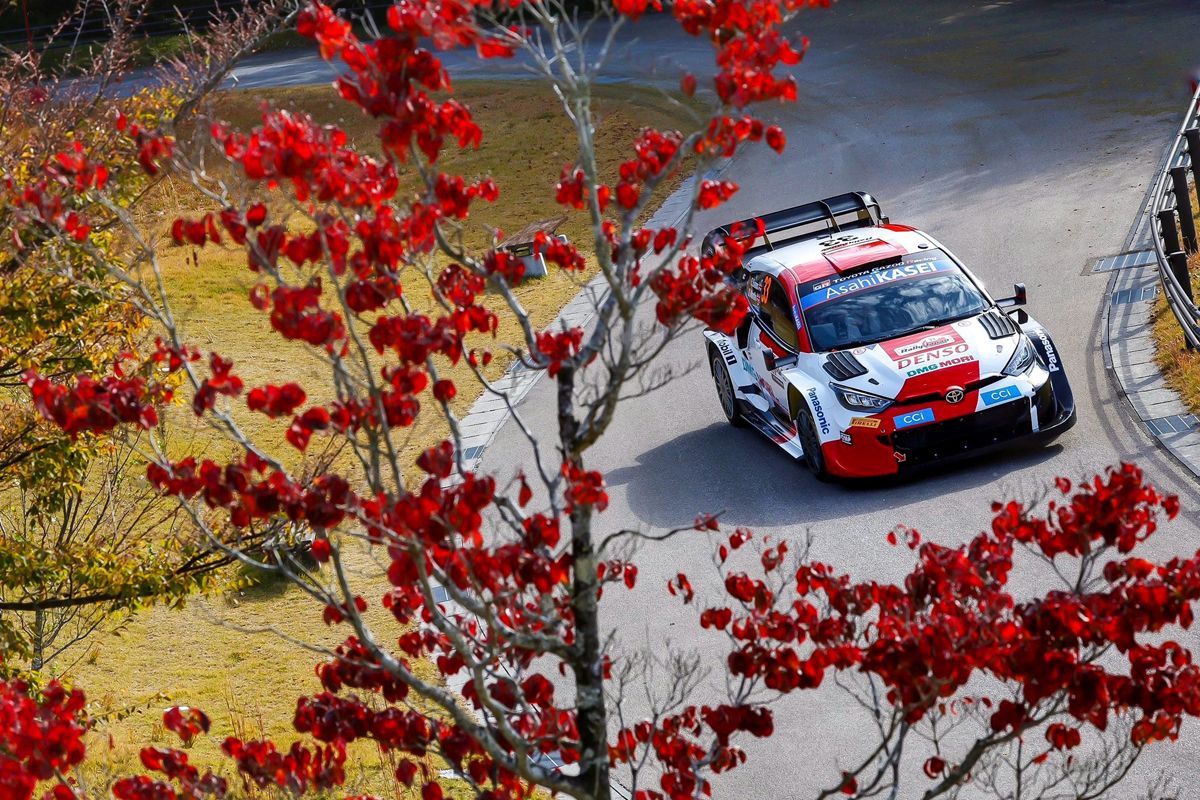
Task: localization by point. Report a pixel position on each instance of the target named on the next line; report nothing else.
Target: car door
(773, 341)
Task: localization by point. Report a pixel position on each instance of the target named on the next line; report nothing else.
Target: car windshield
(922, 291)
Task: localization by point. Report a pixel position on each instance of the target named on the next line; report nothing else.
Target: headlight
(859, 401)
(1022, 359)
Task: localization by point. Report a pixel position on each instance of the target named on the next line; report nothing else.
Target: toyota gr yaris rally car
(870, 348)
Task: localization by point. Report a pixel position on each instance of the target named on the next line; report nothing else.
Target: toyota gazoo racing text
(869, 348)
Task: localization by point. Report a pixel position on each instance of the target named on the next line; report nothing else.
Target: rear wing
(808, 221)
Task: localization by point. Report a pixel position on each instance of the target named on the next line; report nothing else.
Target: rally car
(871, 349)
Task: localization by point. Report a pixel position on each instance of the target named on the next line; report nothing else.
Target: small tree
(337, 250)
(83, 551)
(63, 313)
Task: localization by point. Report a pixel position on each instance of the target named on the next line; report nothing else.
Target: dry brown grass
(248, 683)
(1180, 366)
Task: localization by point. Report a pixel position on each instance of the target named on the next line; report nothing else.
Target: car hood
(961, 354)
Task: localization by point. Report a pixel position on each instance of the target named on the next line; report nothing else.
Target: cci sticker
(993, 396)
(911, 418)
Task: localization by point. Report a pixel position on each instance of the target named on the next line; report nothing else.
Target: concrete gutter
(1129, 350)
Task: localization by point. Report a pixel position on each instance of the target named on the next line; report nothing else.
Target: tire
(725, 392)
(814, 459)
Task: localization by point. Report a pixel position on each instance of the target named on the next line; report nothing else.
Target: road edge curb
(494, 407)
(1128, 352)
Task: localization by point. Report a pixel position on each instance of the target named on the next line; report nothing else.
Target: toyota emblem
(954, 394)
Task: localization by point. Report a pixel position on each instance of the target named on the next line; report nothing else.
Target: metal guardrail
(93, 25)
(1172, 222)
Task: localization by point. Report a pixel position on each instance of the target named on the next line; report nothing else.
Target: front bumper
(1047, 413)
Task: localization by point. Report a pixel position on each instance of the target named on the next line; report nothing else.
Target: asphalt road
(1023, 135)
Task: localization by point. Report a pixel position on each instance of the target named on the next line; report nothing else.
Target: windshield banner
(878, 277)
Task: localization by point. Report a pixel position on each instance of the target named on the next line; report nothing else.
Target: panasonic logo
(1051, 356)
(818, 412)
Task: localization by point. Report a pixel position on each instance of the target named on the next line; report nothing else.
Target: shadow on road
(753, 482)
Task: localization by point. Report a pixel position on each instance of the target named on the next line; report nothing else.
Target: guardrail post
(1170, 234)
(1192, 136)
(1179, 267)
(1183, 203)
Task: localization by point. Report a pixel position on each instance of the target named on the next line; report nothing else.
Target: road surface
(1023, 135)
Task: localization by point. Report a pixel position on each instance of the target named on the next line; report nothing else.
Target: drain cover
(1134, 295)
(1136, 258)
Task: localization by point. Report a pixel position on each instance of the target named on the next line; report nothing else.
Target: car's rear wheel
(726, 393)
(814, 459)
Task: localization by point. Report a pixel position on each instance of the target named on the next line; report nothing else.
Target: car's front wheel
(726, 393)
(814, 459)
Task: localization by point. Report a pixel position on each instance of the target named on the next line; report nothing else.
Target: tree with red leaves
(500, 585)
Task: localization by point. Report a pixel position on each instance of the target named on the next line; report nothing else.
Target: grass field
(202, 655)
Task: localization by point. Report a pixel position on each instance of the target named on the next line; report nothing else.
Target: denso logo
(934, 356)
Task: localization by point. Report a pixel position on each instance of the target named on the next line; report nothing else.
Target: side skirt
(774, 430)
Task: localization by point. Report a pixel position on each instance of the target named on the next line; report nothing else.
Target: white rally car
(870, 348)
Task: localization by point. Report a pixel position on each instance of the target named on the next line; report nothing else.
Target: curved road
(1023, 134)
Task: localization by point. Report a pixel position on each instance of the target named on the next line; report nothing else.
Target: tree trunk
(38, 652)
(588, 666)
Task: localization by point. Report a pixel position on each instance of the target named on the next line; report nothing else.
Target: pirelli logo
(864, 422)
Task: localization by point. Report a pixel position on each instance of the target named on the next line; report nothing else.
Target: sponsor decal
(991, 397)
(922, 342)
(864, 422)
(953, 362)
(926, 342)
(727, 352)
(846, 438)
(822, 285)
(818, 412)
(796, 316)
(872, 279)
(1051, 356)
(834, 243)
(950, 353)
(766, 288)
(910, 418)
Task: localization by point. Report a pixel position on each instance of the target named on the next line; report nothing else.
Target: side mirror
(1019, 298)
(739, 276)
(774, 362)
